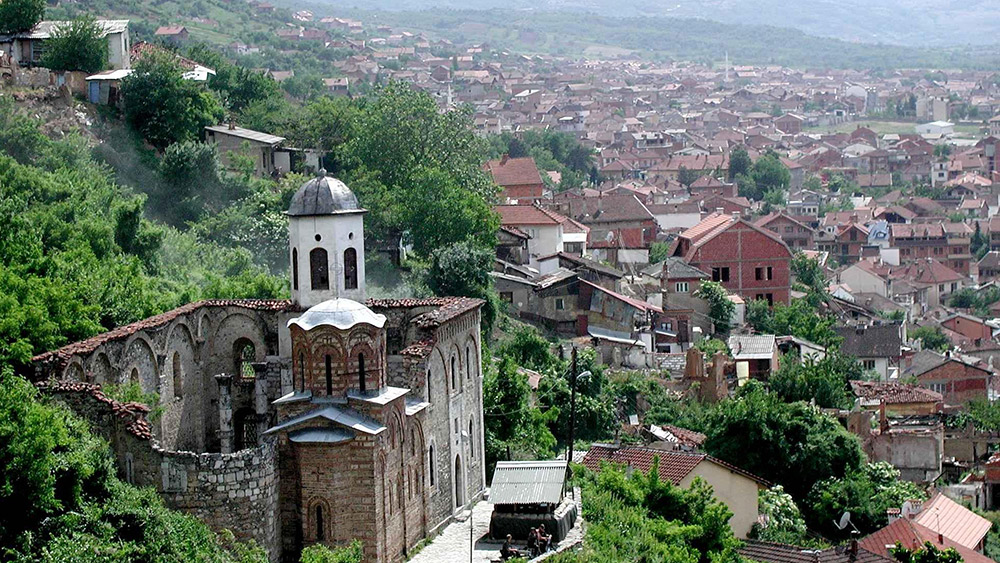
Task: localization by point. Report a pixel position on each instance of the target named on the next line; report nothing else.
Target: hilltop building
(318, 419)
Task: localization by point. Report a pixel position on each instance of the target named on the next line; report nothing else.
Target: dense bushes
(70, 505)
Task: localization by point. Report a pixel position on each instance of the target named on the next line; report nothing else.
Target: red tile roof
(525, 215)
(58, 358)
(957, 523)
(767, 552)
(674, 465)
(912, 535)
(514, 171)
(894, 393)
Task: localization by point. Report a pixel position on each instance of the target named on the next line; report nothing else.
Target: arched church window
(178, 375)
(350, 269)
(454, 377)
(246, 354)
(472, 442)
(319, 267)
(468, 362)
(133, 376)
(430, 463)
(361, 372)
(329, 375)
(295, 269)
(428, 384)
(320, 530)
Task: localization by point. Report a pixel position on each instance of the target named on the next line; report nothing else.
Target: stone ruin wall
(237, 491)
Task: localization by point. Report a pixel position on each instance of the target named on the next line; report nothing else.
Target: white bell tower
(326, 243)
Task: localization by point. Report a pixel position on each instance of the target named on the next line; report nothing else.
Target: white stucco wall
(737, 491)
(337, 234)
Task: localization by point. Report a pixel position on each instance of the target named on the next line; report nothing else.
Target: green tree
(80, 45)
(823, 381)
(866, 493)
(720, 307)
(927, 553)
(769, 173)
(463, 269)
(659, 252)
(781, 521)
(762, 434)
(773, 200)
(808, 273)
(162, 106)
(739, 163)
(20, 15)
(932, 336)
(686, 176)
(409, 152)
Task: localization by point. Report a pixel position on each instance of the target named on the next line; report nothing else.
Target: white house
(543, 227)
(28, 47)
(945, 128)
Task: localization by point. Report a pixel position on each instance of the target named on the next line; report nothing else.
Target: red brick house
(970, 329)
(958, 378)
(518, 177)
(795, 234)
(748, 260)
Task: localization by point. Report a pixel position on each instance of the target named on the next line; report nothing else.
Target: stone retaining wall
(237, 491)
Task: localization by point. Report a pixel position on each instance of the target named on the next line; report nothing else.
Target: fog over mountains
(903, 22)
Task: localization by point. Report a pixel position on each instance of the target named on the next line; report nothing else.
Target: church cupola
(326, 243)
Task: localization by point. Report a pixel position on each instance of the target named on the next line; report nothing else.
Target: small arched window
(329, 375)
(413, 441)
(246, 354)
(430, 463)
(295, 269)
(320, 529)
(319, 268)
(350, 269)
(428, 385)
(133, 377)
(472, 441)
(302, 371)
(468, 362)
(177, 369)
(454, 376)
(361, 372)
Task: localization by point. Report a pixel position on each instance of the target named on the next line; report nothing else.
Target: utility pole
(572, 407)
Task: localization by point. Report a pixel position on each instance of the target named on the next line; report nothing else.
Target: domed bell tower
(326, 248)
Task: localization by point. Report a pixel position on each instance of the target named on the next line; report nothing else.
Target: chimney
(736, 215)
(504, 159)
(720, 210)
(883, 422)
(940, 538)
(852, 551)
(892, 514)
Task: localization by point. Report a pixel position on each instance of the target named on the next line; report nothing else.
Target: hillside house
(27, 47)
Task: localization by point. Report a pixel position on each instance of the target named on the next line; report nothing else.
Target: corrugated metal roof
(320, 436)
(528, 482)
(248, 134)
(752, 347)
(954, 521)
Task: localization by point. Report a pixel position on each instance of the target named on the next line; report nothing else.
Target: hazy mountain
(904, 22)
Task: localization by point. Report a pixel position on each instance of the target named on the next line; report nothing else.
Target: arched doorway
(459, 487)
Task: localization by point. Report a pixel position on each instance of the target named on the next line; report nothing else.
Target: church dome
(341, 314)
(323, 195)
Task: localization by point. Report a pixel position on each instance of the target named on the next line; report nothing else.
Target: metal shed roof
(528, 482)
(248, 134)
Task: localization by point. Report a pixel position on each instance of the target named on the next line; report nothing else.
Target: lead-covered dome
(323, 196)
(339, 313)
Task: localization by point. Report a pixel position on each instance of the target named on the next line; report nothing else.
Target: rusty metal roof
(528, 482)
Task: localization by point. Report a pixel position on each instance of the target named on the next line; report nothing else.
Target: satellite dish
(845, 521)
(610, 237)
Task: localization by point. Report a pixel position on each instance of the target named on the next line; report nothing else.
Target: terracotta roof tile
(912, 535)
(514, 171)
(894, 393)
(133, 415)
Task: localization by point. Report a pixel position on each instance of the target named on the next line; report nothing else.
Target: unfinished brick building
(322, 418)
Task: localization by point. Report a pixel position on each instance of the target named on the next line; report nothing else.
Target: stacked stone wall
(235, 491)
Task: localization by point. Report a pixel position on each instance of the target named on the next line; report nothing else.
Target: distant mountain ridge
(900, 22)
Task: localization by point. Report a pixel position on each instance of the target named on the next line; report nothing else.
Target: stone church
(323, 418)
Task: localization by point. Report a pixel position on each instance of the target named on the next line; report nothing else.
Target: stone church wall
(235, 491)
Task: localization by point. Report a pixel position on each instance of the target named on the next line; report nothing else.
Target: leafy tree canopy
(81, 45)
(866, 492)
(20, 15)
